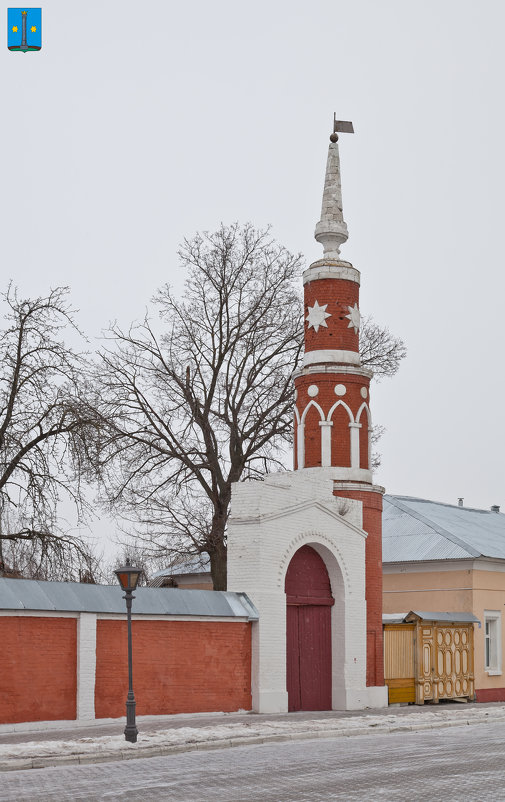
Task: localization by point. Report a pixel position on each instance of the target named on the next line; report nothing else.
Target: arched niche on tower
(310, 420)
(364, 418)
(340, 416)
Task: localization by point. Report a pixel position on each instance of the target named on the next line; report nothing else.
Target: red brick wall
(178, 667)
(372, 524)
(490, 695)
(38, 679)
(339, 295)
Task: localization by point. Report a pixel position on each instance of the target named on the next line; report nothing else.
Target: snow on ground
(193, 735)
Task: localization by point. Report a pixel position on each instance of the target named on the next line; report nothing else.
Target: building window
(492, 641)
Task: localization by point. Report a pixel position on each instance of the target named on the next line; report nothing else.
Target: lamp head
(128, 576)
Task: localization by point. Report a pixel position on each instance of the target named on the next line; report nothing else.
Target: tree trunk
(218, 567)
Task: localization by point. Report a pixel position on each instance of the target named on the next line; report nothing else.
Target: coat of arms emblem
(24, 29)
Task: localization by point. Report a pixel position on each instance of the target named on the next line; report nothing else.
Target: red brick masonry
(38, 668)
(490, 695)
(178, 667)
(372, 524)
(339, 295)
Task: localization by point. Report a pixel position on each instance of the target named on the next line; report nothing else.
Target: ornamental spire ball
(331, 231)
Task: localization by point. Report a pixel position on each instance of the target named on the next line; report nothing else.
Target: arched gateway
(308, 632)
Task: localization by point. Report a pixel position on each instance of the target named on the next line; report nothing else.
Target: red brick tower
(332, 413)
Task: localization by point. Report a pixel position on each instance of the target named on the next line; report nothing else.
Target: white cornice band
(332, 356)
(324, 269)
(358, 485)
(347, 370)
(352, 477)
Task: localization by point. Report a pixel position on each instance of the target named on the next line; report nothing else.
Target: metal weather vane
(341, 126)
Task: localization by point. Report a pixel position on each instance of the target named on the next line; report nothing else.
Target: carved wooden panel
(444, 662)
(454, 649)
(424, 684)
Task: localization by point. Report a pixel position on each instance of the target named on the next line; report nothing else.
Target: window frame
(492, 643)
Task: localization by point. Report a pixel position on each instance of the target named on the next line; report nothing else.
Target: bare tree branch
(380, 350)
(48, 431)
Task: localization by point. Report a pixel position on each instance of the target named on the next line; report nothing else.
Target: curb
(23, 763)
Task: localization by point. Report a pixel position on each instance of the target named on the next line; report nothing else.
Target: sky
(137, 125)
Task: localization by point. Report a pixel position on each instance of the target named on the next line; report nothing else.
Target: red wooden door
(308, 632)
(293, 658)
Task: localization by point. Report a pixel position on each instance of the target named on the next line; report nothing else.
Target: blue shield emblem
(24, 29)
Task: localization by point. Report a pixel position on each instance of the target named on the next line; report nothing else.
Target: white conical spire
(331, 231)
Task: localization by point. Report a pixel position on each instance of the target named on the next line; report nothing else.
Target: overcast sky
(138, 124)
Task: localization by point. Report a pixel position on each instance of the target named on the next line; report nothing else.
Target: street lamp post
(128, 577)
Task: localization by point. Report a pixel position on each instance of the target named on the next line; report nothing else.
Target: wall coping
(21, 595)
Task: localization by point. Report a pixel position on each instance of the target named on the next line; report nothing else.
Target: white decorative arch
(309, 405)
(335, 405)
(363, 406)
(324, 546)
(299, 434)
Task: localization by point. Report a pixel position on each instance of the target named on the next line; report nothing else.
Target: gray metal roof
(30, 594)
(393, 618)
(197, 565)
(416, 529)
(430, 615)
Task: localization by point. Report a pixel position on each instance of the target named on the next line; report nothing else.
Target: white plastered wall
(269, 522)
(86, 665)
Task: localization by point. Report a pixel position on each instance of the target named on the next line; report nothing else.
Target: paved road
(454, 764)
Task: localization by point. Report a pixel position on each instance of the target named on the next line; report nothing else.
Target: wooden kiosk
(428, 656)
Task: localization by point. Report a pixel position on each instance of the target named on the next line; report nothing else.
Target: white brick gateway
(269, 522)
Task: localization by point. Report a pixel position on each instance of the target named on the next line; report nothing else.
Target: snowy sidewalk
(165, 735)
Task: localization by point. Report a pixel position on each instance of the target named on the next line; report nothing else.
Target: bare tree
(47, 428)
(208, 401)
(58, 559)
(379, 350)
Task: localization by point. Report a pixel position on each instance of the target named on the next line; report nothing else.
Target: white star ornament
(354, 318)
(317, 316)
